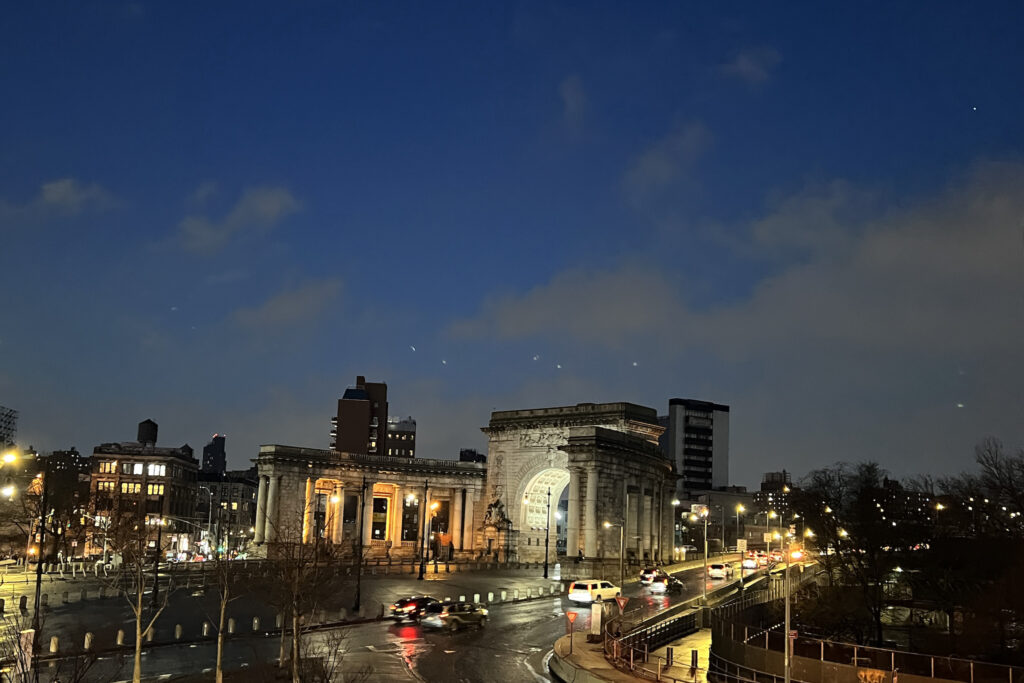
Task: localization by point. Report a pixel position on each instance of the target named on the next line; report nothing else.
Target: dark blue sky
(217, 214)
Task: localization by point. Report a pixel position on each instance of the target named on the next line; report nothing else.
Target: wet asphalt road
(514, 645)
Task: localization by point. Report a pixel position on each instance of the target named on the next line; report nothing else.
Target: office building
(226, 507)
(215, 459)
(401, 437)
(8, 426)
(361, 423)
(142, 482)
(775, 493)
(696, 439)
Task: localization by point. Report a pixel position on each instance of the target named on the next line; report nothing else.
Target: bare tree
(129, 536)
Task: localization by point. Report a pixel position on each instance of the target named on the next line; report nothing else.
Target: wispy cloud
(753, 66)
(259, 209)
(66, 197)
(291, 307)
(666, 162)
(574, 103)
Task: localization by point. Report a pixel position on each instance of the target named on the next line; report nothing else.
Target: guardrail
(756, 650)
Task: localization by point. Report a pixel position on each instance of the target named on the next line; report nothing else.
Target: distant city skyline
(216, 217)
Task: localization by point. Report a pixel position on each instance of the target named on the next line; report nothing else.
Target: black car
(412, 607)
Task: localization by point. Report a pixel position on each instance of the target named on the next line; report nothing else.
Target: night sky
(216, 215)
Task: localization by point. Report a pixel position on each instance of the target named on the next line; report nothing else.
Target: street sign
(792, 529)
(572, 617)
(622, 603)
(767, 537)
(792, 635)
(741, 545)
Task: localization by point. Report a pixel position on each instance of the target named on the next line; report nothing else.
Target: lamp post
(739, 510)
(359, 549)
(792, 555)
(160, 522)
(547, 533)
(209, 516)
(675, 530)
(704, 513)
(423, 531)
(622, 550)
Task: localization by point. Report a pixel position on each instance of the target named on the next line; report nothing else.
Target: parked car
(663, 583)
(647, 575)
(719, 571)
(593, 590)
(412, 607)
(452, 616)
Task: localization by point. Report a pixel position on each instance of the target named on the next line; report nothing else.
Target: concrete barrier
(54, 642)
(120, 636)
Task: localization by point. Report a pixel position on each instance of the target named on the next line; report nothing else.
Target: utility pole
(156, 561)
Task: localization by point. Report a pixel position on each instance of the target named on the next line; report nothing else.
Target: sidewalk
(587, 663)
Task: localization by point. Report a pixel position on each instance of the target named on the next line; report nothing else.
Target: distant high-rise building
(776, 488)
(215, 459)
(401, 437)
(361, 423)
(471, 455)
(696, 439)
(8, 425)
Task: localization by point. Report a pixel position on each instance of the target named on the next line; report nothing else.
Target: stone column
(648, 521)
(273, 503)
(572, 522)
(396, 509)
(367, 505)
(456, 518)
(309, 507)
(261, 510)
(590, 514)
(658, 501)
(467, 521)
(339, 514)
(638, 526)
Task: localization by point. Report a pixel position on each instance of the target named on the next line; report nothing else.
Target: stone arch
(533, 511)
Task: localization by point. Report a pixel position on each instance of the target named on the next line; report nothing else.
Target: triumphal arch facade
(606, 455)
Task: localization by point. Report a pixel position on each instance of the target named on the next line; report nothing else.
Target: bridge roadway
(514, 645)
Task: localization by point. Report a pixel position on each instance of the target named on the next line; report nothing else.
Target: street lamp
(547, 528)
(739, 509)
(704, 580)
(622, 550)
(793, 555)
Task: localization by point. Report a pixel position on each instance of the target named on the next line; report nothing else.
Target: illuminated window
(234, 505)
(155, 470)
(108, 467)
(137, 468)
(105, 486)
(410, 454)
(129, 487)
(155, 489)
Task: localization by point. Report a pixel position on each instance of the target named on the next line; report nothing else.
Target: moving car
(455, 615)
(412, 607)
(719, 571)
(592, 590)
(663, 583)
(750, 563)
(648, 575)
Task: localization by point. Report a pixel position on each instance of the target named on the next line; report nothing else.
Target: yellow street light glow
(7, 491)
(675, 501)
(335, 499)
(693, 518)
(940, 506)
(740, 508)
(843, 533)
(435, 505)
(772, 514)
(828, 510)
(808, 533)
(607, 525)
(10, 457)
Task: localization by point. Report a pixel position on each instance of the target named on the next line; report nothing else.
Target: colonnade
(272, 521)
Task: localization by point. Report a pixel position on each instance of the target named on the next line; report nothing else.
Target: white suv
(592, 590)
(719, 571)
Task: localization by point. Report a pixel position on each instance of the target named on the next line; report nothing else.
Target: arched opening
(540, 516)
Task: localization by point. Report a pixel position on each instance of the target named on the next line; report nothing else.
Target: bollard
(279, 619)
(149, 634)
(231, 625)
(490, 597)
(87, 645)
(504, 596)
(23, 603)
(551, 589)
(85, 594)
(177, 631)
(529, 593)
(255, 623)
(53, 644)
(64, 598)
(2, 603)
(120, 636)
(103, 592)
(206, 629)
(342, 614)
